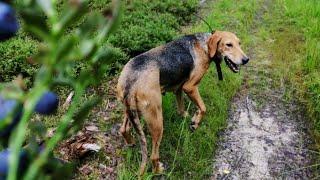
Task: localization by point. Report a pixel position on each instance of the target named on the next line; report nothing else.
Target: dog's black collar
(218, 61)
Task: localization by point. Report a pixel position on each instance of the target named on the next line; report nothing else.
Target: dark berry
(7, 107)
(4, 162)
(47, 104)
(8, 22)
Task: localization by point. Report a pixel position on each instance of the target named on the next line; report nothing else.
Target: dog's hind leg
(154, 120)
(152, 112)
(194, 95)
(125, 129)
(134, 119)
(180, 103)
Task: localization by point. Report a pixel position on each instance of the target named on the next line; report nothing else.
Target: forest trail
(266, 136)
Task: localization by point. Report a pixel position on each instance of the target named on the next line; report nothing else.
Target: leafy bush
(145, 24)
(14, 53)
(144, 34)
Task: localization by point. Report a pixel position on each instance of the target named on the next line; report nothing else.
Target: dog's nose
(245, 60)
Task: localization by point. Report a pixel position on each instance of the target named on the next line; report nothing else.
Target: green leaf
(104, 55)
(38, 128)
(11, 91)
(85, 76)
(87, 47)
(35, 23)
(90, 25)
(112, 18)
(71, 14)
(65, 48)
(117, 10)
(46, 6)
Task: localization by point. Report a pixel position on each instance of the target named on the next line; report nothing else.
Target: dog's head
(226, 45)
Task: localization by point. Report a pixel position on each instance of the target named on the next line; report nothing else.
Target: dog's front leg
(194, 95)
(180, 103)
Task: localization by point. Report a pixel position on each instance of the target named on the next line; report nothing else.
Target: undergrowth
(305, 16)
(144, 25)
(297, 32)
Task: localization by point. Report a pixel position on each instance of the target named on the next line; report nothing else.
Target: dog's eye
(229, 45)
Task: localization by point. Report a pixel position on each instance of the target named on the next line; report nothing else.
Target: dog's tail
(131, 108)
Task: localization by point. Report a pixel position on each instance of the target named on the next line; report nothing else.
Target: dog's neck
(203, 39)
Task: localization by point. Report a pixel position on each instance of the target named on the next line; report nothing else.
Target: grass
(290, 33)
(305, 16)
(298, 31)
(195, 150)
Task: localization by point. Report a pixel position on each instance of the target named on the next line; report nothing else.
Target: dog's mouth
(234, 67)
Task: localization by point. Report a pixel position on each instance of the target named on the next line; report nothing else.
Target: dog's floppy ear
(213, 43)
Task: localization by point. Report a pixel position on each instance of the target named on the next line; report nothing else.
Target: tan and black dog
(177, 66)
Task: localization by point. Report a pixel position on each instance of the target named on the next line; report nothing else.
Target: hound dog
(177, 66)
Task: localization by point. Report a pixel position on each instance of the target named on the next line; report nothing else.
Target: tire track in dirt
(265, 137)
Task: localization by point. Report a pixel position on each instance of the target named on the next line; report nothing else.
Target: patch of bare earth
(263, 143)
(96, 149)
(266, 137)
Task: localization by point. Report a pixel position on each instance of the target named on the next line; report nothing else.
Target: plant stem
(61, 132)
(106, 30)
(17, 139)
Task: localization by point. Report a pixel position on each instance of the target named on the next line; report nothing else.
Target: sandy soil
(265, 143)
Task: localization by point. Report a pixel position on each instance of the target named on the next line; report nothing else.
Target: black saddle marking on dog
(176, 61)
(141, 61)
(129, 82)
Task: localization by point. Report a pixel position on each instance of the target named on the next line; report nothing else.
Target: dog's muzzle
(234, 67)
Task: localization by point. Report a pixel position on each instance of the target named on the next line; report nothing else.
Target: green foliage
(305, 15)
(14, 54)
(145, 24)
(57, 56)
(145, 34)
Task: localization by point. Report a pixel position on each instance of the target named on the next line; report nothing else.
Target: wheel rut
(266, 137)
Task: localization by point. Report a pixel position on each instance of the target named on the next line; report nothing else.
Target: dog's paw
(159, 168)
(193, 126)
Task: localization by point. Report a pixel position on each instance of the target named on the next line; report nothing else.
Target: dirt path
(265, 137)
